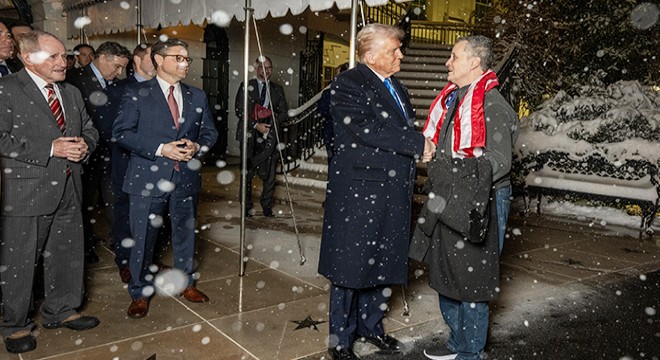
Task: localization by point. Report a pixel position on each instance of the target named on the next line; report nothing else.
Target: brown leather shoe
(138, 308)
(125, 274)
(192, 294)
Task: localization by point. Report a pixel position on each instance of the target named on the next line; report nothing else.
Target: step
(421, 67)
(442, 53)
(425, 93)
(430, 76)
(429, 60)
(420, 45)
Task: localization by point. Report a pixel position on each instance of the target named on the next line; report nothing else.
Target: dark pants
(59, 237)
(121, 231)
(355, 313)
(97, 179)
(266, 171)
(182, 210)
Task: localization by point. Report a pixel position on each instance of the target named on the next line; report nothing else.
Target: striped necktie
(56, 108)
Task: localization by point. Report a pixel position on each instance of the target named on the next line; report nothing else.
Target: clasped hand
(262, 128)
(72, 148)
(180, 150)
(429, 150)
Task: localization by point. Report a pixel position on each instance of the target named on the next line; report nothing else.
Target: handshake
(429, 150)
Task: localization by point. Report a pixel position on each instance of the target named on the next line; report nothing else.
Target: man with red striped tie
(45, 134)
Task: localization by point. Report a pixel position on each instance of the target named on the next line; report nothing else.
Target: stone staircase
(424, 73)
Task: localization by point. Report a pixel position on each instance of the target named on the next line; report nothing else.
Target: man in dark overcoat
(262, 154)
(469, 120)
(366, 228)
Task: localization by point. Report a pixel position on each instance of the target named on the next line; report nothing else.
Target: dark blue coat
(144, 122)
(366, 228)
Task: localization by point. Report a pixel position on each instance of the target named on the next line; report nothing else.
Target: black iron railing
(505, 75)
(301, 134)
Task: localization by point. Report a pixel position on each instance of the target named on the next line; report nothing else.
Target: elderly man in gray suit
(45, 134)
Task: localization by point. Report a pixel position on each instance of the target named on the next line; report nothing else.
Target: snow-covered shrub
(608, 131)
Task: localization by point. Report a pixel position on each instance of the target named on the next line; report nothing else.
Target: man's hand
(262, 128)
(72, 148)
(429, 150)
(180, 150)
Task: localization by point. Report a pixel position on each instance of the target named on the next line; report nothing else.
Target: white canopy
(118, 16)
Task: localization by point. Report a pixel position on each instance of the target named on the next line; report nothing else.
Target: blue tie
(388, 85)
(4, 71)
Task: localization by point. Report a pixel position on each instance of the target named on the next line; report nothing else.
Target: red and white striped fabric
(469, 133)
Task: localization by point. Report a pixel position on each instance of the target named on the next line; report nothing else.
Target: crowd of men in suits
(70, 137)
(140, 139)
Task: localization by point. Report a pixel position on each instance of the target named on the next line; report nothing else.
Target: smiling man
(45, 134)
(470, 121)
(166, 126)
(366, 227)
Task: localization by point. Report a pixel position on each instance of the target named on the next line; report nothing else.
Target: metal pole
(138, 14)
(246, 64)
(351, 51)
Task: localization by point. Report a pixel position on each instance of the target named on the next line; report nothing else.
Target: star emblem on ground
(307, 323)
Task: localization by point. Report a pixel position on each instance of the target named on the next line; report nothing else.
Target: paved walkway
(259, 315)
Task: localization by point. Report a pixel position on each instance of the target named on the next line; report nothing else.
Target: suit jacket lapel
(37, 97)
(391, 107)
(186, 112)
(67, 104)
(160, 101)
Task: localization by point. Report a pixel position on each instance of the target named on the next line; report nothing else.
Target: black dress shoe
(343, 354)
(269, 213)
(91, 257)
(385, 343)
(20, 345)
(76, 322)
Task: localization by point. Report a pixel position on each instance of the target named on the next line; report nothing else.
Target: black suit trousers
(58, 237)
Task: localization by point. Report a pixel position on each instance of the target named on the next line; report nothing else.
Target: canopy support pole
(246, 65)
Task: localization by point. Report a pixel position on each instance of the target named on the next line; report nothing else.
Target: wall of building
(449, 10)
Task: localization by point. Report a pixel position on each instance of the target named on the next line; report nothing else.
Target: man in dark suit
(45, 133)
(17, 30)
(166, 125)
(7, 50)
(262, 142)
(366, 228)
(93, 81)
(84, 54)
(143, 70)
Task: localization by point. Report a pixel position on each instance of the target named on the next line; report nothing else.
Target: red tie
(56, 108)
(174, 107)
(174, 110)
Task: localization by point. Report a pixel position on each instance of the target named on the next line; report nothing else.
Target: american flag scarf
(469, 135)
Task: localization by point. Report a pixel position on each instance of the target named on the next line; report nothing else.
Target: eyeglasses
(180, 58)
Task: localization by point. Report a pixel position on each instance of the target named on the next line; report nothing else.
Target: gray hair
(29, 42)
(481, 47)
(367, 39)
